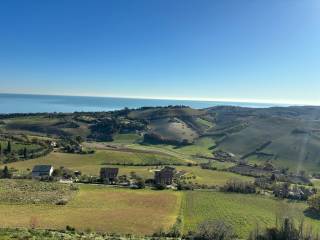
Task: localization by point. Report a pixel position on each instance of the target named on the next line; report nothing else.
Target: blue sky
(266, 51)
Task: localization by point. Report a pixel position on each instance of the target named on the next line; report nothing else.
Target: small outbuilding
(42, 171)
(108, 175)
(164, 176)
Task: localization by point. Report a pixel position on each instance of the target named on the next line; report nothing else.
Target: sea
(28, 103)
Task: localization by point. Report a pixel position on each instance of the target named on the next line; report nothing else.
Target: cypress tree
(6, 173)
(25, 155)
(9, 147)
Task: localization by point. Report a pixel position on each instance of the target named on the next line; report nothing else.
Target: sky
(239, 50)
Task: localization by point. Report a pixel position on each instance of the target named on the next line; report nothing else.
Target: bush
(213, 230)
(239, 186)
(185, 186)
(62, 202)
(160, 187)
(285, 229)
(160, 233)
(74, 187)
(314, 203)
(70, 229)
(141, 184)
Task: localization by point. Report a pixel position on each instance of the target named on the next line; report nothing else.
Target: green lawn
(244, 212)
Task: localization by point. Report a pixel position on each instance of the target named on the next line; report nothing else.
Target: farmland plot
(100, 209)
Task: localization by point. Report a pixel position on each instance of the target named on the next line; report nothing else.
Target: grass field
(28, 191)
(210, 177)
(316, 183)
(173, 129)
(127, 138)
(200, 147)
(204, 122)
(244, 212)
(91, 163)
(101, 209)
(17, 146)
(108, 209)
(293, 166)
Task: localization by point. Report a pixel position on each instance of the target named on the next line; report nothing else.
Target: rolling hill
(287, 136)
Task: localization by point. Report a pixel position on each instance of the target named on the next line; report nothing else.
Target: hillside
(287, 136)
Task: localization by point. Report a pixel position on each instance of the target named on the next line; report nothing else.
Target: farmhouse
(42, 171)
(164, 176)
(108, 175)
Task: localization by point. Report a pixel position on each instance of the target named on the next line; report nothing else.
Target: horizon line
(205, 99)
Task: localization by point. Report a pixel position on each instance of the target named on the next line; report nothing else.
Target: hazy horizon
(258, 101)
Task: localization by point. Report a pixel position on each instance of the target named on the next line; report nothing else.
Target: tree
(0, 149)
(285, 229)
(79, 139)
(314, 203)
(133, 175)
(214, 230)
(25, 154)
(141, 183)
(9, 147)
(6, 173)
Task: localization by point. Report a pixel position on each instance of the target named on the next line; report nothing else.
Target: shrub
(285, 229)
(213, 230)
(74, 187)
(141, 183)
(185, 186)
(160, 187)
(159, 233)
(314, 203)
(71, 229)
(239, 187)
(61, 202)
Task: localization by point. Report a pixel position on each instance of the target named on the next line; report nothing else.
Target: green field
(292, 133)
(127, 138)
(210, 177)
(200, 147)
(244, 212)
(91, 163)
(109, 209)
(316, 183)
(28, 191)
(308, 166)
(173, 129)
(101, 209)
(18, 146)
